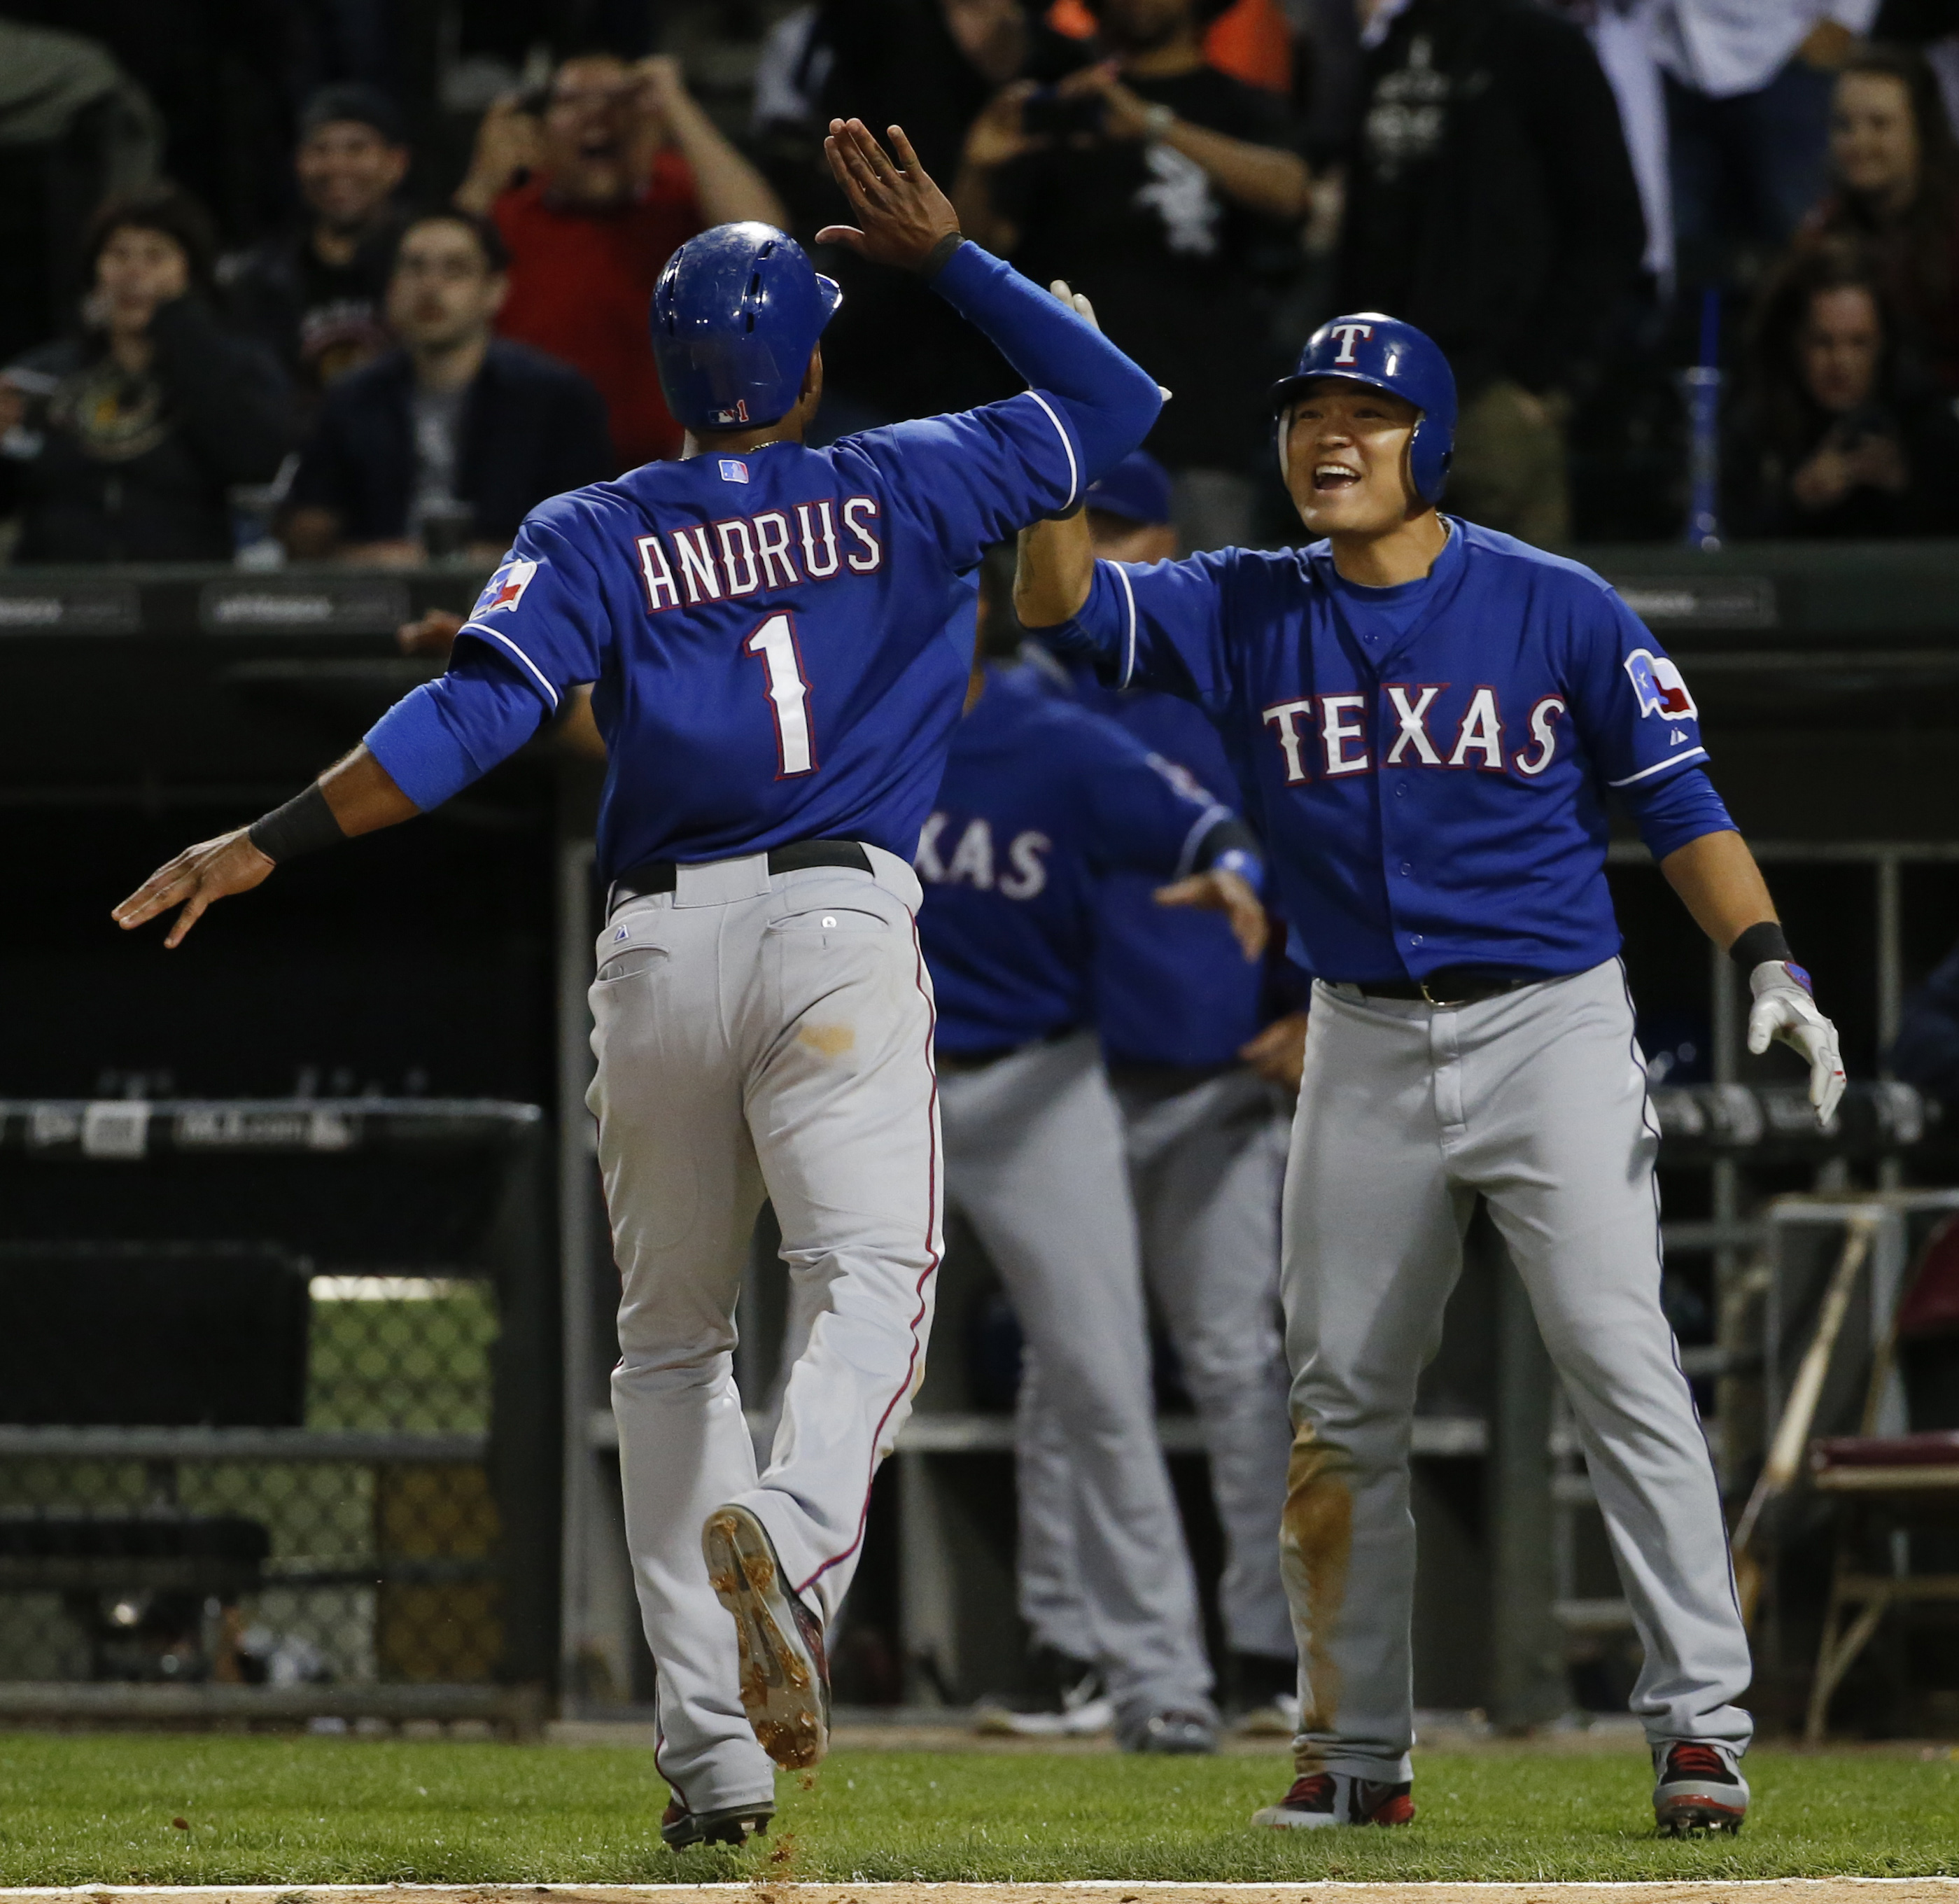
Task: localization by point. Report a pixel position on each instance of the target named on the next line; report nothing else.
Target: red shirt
(581, 283)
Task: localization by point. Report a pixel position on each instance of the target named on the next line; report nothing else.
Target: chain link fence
(231, 1466)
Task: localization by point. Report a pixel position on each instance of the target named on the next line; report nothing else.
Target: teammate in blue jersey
(1205, 1083)
(780, 640)
(1430, 719)
(1042, 803)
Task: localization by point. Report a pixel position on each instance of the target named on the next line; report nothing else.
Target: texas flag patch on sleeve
(505, 589)
(1661, 687)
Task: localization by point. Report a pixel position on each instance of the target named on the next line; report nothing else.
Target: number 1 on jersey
(788, 695)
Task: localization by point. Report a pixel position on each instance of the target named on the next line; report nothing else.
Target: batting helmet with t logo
(736, 313)
(1385, 354)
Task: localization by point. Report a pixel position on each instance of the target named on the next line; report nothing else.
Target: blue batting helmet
(736, 313)
(1367, 347)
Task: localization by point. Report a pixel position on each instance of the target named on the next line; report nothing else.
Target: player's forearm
(1110, 400)
(1267, 180)
(1054, 571)
(1720, 884)
(729, 188)
(362, 795)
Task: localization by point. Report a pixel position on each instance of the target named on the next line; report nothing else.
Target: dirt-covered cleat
(785, 1675)
(1170, 1735)
(1697, 1787)
(1321, 1798)
(733, 1825)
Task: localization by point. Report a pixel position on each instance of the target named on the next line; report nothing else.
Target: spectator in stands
(1151, 180)
(1898, 196)
(592, 198)
(1926, 1052)
(456, 415)
(1490, 200)
(119, 444)
(1836, 437)
(1747, 105)
(314, 294)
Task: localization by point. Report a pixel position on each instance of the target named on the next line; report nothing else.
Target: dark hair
(349, 101)
(163, 207)
(1203, 13)
(1784, 415)
(1937, 153)
(489, 240)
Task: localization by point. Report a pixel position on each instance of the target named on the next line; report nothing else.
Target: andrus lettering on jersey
(758, 554)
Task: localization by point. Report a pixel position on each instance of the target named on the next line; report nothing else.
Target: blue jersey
(1172, 986)
(779, 639)
(1429, 766)
(1041, 800)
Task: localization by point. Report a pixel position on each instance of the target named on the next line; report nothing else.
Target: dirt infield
(1781, 1890)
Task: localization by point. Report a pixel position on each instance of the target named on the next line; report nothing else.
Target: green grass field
(83, 1808)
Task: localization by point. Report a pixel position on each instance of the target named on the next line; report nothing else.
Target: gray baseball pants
(1207, 1160)
(760, 1034)
(1034, 1159)
(1536, 1101)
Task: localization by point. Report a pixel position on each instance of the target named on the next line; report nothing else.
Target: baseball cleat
(731, 1825)
(1170, 1735)
(1697, 1787)
(1321, 1798)
(1071, 1702)
(785, 1676)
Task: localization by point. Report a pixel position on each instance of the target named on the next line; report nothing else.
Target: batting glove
(1783, 1009)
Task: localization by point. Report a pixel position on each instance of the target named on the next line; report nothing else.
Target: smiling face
(1347, 454)
(1873, 141)
(347, 171)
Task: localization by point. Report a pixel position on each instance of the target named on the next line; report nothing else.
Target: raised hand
(902, 215)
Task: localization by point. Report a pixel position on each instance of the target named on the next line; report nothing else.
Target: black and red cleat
(733, 1825)
(1697, 1787)
(1321, 1798)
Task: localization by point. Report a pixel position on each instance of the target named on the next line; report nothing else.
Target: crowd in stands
(428, 311)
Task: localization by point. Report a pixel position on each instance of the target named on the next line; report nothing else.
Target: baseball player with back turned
(779, 639)
(1428, 720)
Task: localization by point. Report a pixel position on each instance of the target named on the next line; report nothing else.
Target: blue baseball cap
(1137, 489)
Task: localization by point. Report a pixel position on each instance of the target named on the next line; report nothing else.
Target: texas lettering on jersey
(1328, 736)
(973, 862)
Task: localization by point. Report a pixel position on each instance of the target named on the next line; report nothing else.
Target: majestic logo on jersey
(774, 549)
(1660, 686)
(1347, 333)
(733, 469)
(506, 588)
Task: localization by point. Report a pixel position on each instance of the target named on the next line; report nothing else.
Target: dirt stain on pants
(1316, 1545)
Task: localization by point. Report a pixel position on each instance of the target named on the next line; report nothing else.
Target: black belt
(992, 1054)
(662, 875)
(1453, 985)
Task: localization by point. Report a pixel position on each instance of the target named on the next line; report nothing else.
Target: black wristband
(936, 259)
(303, 825)
(1758, 942)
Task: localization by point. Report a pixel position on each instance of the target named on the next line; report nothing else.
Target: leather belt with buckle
(662, 875)
(1454, 985)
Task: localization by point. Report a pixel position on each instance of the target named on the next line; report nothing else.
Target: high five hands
(903, 217)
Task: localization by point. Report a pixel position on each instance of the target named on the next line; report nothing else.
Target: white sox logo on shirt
(1325, 737)
(1347, 333)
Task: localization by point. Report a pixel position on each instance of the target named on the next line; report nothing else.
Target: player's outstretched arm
(1053, 572)
(904, 218)
(355, 795)
(1719, 883)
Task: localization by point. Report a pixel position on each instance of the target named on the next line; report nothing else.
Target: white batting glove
(1783, 1009)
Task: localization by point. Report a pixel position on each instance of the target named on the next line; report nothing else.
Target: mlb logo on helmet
(1660, 686)
(506, 588)
(738, 414)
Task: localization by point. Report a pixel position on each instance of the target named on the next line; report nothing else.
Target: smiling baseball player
(1429, 719)
(780, 640)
